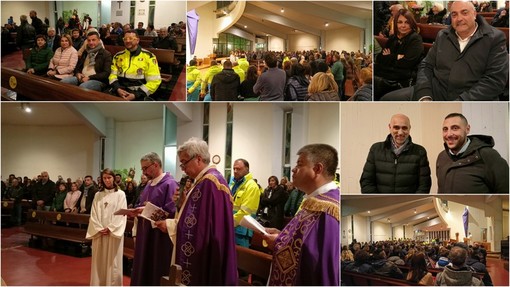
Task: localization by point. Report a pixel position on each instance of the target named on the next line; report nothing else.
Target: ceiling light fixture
(245, 26)
(282, 10)
(415, 211)
(326, 24)
(26, 107)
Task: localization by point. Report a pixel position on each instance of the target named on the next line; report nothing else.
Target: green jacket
(58, 201)
(39, 60)
(338, 71)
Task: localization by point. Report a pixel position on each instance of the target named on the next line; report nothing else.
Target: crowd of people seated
(457, 262)
(279, 200)
(402, 60)
(284, 76)
(74, 53)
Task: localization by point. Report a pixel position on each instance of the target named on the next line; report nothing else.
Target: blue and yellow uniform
(246, 195)
(137, 71)
(193, 81)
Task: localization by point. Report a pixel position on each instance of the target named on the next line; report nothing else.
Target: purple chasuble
(205, 245)
(307, 251)
(153, 250)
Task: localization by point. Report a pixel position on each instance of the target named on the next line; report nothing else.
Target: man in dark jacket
(396, 165)
(87, 196)
(44, 191)
(469, 164)
(226, 84)
(94, 66)
(468, 62)
(384, 267)
(25, 36)
(37, 23)
(164, 41)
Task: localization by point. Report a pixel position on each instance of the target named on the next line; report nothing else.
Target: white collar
(323, 189)
(156, 180)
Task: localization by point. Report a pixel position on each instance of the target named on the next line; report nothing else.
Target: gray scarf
(92, 53)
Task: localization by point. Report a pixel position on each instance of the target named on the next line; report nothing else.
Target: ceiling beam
(278, 19)
(322, 12)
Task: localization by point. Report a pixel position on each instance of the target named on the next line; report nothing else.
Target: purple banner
(465, 220)
(192, 18)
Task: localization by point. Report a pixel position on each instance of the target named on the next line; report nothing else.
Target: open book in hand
(251, 223)
(154, 213)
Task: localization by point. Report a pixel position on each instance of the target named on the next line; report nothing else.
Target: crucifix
(119, 3)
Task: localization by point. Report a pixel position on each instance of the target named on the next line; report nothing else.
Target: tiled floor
(25, 266)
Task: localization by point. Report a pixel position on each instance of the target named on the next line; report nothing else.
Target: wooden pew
(55, 225)
(174, 277)
(129, 243)
(253, 262)
(487, 14)
(434, 271)
(40, 88)
(7, 206)
(428, 33)
(361, 279)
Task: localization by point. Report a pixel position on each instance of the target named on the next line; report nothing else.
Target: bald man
(468, 61)
(396, 165)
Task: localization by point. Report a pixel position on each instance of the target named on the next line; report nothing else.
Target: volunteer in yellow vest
(246, 195)
(192, 81)
(135, 72)
(243, 63)
(238, 71)
(214, 69)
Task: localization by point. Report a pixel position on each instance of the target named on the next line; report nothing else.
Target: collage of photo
(136, 137)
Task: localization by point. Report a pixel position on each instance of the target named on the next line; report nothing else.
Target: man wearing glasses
(135, 72)
(153, 247)
(203, 230)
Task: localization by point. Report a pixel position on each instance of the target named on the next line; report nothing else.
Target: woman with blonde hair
(364, 93)
(65, 59)
(322, 88)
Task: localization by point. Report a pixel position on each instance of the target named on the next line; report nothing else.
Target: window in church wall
(205, 130)
(228, 143)
(227, 42)
(152, 9)
(287, 144)
(132, 10)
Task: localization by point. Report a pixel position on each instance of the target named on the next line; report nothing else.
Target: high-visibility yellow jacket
(138, 71)
(244, 64)
(246, 198)
(239, 71)
(209, 75)
(192, 77)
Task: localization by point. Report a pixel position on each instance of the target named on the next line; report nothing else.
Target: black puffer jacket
(480, 169)
(225, 86)
(384, 172)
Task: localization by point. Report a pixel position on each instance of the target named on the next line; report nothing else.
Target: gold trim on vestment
(315, 204)
(219, 186)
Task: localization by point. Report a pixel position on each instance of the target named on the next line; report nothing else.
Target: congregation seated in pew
(439, 78)
(415, 261)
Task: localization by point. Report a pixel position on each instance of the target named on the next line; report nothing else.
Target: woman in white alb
(107, 232)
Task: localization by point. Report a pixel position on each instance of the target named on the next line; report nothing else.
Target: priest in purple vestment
(203, 231)
(153, 248)
(307, 250)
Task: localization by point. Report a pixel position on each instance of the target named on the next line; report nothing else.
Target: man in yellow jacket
(207, 79)
(192, 81)
(135, 71)
(246, 199)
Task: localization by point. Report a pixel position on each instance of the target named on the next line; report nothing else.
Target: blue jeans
(90, 84)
